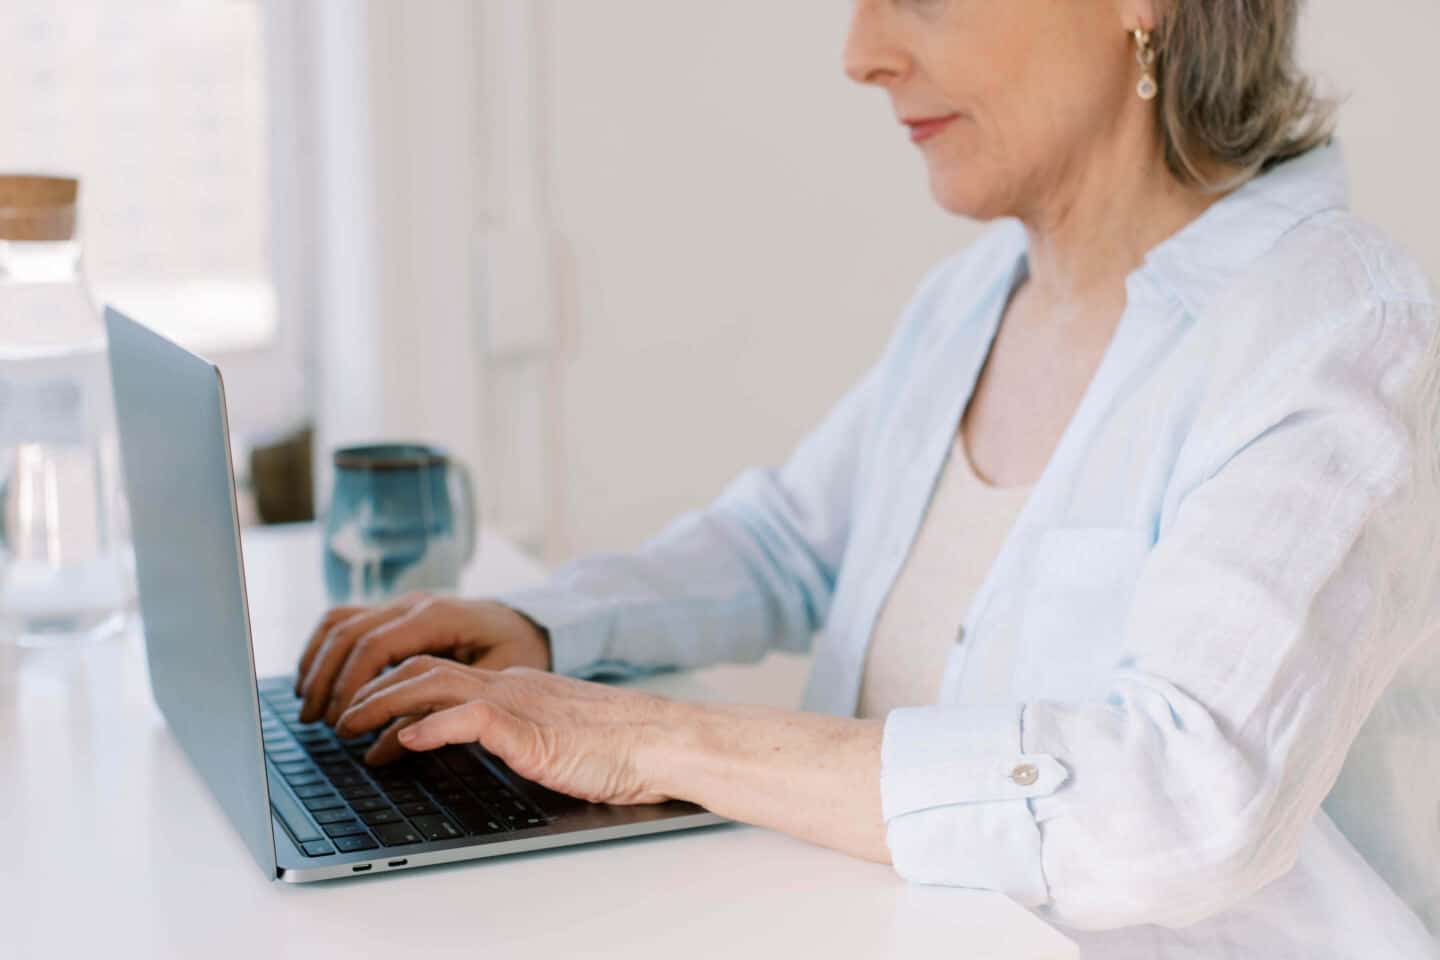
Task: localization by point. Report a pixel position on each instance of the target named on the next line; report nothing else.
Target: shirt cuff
(955, 790)
(576, 625)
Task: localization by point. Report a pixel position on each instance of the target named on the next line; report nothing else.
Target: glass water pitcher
(66, 566)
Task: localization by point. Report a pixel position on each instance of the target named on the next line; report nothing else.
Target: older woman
(1114, 549)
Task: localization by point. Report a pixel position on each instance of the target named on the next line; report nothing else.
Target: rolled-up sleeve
(1285, 588)
(966, 761)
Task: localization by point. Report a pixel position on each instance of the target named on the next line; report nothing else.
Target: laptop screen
(175, 446)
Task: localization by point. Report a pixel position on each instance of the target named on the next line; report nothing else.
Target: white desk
(113, 847)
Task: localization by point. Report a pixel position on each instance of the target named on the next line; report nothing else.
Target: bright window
(158, 106)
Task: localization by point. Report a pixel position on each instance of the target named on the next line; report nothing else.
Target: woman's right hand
(353, 644)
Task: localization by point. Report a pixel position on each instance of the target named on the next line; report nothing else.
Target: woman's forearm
(812, 776)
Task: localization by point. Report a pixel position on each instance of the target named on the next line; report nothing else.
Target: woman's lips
(925, 129)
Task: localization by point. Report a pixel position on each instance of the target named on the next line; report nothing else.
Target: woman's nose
(871, 53)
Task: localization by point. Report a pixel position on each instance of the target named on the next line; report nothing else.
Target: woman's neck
(1094, 226)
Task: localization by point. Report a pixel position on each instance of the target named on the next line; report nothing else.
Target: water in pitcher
(66, 567)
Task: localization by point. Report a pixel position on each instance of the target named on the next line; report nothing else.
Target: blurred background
(586, 246)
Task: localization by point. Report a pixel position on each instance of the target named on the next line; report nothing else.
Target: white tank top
(965, 525)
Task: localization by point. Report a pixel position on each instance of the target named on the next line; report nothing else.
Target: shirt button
(1024, 774)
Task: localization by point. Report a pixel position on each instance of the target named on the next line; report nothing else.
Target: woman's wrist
(809, 775)
(532, 637)
(670, 757)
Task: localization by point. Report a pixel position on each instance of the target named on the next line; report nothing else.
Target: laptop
(303, 801)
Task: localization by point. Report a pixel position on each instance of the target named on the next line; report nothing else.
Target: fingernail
(408, 735)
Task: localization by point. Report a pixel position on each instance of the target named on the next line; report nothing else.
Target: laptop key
(397, 834)
(296, 770)
(490, 792)
(356, 843)
(307, 779)
(462, 763)
(478, 821)
(332, 816)
(431, 768)
(367, 804)
(404, 794)
(515, 821)
(486, 790)
(344, 828)
(482, 783)
(323, 803)
(317, 848)
(417, 809)
(393, 786)
(293, 817)
(348, 779)
(313, 790)
(377, 817)
(358, 791)
(436, 827)
(287, 756)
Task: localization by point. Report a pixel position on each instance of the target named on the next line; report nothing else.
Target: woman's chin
(966, 196)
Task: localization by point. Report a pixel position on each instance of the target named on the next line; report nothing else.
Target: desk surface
(116, 849)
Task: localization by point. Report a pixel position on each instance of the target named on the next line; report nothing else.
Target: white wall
(747, 225)
(387, 179)
(732, 201)
(1384, 56)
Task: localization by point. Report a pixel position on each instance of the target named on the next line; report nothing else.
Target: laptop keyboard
(344, 805)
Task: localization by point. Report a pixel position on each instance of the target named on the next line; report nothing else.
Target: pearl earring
(1145, 55)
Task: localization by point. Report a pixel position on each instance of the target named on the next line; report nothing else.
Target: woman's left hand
(583, 739)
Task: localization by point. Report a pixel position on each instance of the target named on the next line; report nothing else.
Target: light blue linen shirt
(1225, 562)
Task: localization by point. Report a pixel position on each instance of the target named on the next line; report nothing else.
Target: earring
(1145, 55)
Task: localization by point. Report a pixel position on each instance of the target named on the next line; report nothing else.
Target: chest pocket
(1073, 612)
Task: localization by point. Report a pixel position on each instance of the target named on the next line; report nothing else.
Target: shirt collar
(1195, 262)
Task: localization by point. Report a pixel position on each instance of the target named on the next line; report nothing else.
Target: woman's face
(1035, 88)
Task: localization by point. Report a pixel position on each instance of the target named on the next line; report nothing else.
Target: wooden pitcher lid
(37, 208)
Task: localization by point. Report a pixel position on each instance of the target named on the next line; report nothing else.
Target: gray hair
(1231, 90)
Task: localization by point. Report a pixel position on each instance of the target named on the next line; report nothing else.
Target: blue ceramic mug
(402, 517)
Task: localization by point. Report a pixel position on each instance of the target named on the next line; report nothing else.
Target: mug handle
(472, 516)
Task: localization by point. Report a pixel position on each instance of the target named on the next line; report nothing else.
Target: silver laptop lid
(175, 445)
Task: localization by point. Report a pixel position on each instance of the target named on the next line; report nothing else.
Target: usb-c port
(361, 868)
(398, 863)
